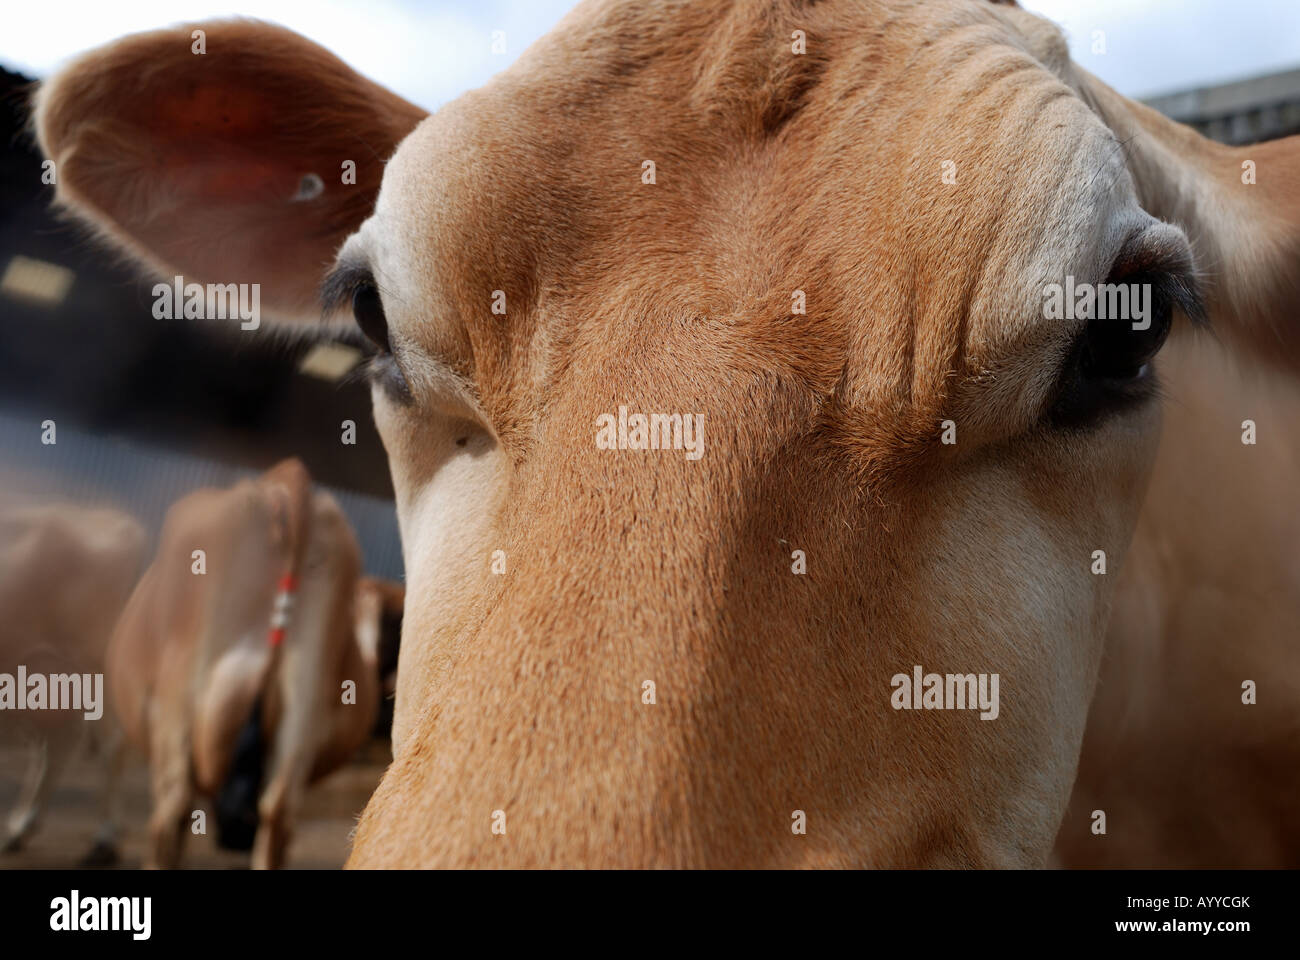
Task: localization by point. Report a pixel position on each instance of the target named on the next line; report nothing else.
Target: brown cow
(379, 628)
(824, 231)
(1187, 774)
(65, 574)
(217, 630)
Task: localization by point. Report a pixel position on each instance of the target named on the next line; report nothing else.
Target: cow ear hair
(231, 151)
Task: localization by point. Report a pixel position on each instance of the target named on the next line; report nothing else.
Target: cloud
(1162, 46)
(428, 52)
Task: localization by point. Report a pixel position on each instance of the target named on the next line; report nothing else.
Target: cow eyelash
(352, 286)
(339, 285)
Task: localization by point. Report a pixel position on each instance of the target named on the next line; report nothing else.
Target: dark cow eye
(368, 310)
(1109, 367)
(1114, 351)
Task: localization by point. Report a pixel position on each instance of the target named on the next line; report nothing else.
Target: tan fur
(190, 654)
(1210, 597)
(65, 574)
(520, 692)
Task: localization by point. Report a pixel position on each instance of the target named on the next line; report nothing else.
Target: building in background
(1246, 111)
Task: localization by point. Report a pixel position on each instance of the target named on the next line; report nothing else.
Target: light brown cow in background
(777, 172)
(192, 655)
(1185, 771)
(380, 604)
(65, 574)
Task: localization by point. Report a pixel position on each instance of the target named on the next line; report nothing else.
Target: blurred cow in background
(379, 627)
(237, 664)
(65, 574)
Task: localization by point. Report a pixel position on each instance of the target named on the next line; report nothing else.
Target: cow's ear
(226, 152)
(1239, 205)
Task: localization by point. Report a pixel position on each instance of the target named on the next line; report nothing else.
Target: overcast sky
(432, 50)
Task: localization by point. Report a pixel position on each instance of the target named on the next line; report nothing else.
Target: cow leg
(276, 809)
(172, 796)
(49, 757)
(104, 851)
(23, 818)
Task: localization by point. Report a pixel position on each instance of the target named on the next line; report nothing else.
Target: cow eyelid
(1170, 271)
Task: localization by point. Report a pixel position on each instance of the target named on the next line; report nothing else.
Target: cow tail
(236, 801)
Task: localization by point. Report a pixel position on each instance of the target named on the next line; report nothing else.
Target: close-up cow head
(720, 387)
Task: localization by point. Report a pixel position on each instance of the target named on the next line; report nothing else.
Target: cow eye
(1113, 350)
(1109, 366)
(368, 310)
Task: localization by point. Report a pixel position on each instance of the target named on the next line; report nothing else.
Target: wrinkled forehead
(912, 159)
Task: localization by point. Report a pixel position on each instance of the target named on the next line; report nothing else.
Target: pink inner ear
(219, 112)
(226, 143)
(197, 164)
